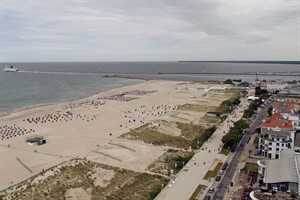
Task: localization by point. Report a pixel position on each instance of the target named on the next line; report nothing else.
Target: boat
(10, 69)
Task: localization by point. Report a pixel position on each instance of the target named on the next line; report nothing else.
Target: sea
(45, 83)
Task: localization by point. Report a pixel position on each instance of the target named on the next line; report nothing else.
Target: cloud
(115, 30)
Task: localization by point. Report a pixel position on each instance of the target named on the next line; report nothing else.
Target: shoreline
(85, 128)
(63, 101)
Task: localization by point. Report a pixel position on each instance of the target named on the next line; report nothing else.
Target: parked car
(224, 167)
(218, 178)
(211, 190)
(207, 197)
(221, 172)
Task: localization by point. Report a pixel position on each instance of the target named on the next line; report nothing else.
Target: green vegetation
(123, 184)
(148, 134)
(256, 140)
(228, 105)
(202, 137)
(234, 134)
(228, 81)
(196, 192)
(214, 173)
(197, 107)
(261, 92)
(211, 119)
(192, 135)
(252, 108)
(224, 151)
(189, 131)
(250, 167)
(167, 161)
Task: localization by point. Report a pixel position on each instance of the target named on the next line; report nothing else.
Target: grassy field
(189, 131)
(250, 167)
(149, 134)
(256, 140)
(213, 173)
(196, 192)
(123, 184)
(224, 151)
(210, 119)
(167, 161)
(197, 108)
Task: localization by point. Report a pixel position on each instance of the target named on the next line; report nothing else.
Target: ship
(10, 69)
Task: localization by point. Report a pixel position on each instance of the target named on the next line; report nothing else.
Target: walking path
(187, 181)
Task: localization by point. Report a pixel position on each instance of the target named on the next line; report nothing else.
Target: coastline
(85, 127)
(33, 106)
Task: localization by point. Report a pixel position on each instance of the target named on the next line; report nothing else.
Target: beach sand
(89, 128)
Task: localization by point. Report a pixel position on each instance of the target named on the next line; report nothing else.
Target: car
(218, 178)
(211, 190)
(207, 197)
(221, 172)
(224, 167)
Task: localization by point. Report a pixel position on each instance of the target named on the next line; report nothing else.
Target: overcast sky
(152, 30)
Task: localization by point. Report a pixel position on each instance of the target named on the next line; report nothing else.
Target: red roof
(283, 105)
(277, 116)
(274, 124)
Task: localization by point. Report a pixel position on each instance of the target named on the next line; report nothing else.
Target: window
(270, 155)
(277, 149)
(270, 143)
(277, 144)
(282, 145)
(276, 156)
(270, 148)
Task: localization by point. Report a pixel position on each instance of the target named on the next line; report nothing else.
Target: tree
(228, 81)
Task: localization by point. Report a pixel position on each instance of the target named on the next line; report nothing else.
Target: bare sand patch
(77, 194)
(102, 177)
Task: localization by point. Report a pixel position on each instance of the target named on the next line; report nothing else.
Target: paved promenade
(187, 181)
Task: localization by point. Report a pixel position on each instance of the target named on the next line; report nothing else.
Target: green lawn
(250, 167)
(196, 192)
(256, 140)
(214, 173)
(224, 151)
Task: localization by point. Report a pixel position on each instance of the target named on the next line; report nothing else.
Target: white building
(273, 140)
(282, 174)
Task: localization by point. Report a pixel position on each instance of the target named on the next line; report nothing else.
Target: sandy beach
(89, 128)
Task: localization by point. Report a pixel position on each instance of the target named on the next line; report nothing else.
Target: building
(277, 120)
(274, 86)
(289, 95)
(273, 140)
(282, 174)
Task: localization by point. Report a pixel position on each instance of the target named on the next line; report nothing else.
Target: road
(229, 173)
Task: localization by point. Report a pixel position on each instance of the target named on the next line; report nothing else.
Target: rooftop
(278, 105)
(289, 162)
(277, 132)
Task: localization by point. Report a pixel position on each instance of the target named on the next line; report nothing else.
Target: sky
(149, 30)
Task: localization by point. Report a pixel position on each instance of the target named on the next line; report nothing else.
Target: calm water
(70, 81)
